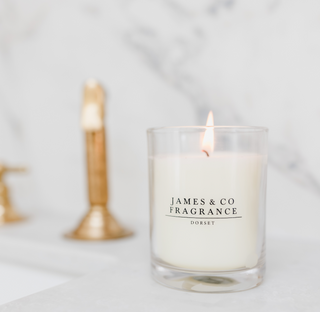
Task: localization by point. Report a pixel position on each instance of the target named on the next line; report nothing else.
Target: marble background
(162, 62)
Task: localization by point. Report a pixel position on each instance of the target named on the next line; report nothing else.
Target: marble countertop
(118, 276)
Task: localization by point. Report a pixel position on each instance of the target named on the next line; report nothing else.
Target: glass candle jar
(207, 207)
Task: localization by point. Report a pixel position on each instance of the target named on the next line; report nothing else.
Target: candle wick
(206, 152)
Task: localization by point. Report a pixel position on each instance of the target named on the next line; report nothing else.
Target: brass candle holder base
(98, 224)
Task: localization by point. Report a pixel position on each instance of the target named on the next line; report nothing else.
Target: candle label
(202, 208)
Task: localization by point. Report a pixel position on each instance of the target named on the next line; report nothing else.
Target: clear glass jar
(207, 207)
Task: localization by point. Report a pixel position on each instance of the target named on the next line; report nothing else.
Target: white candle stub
(92, 117)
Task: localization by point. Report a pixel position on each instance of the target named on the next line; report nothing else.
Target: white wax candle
(206, 210)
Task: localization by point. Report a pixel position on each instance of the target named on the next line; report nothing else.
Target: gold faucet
(98, 224)
(7, 213)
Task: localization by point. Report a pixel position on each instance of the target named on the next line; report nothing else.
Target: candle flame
(210, 120)
(208, 138)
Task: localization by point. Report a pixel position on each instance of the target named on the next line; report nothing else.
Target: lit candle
(207, 200)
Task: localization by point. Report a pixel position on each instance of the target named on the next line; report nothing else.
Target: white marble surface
(291, 284)
(163, 62)
(19, 281)
(40, 243)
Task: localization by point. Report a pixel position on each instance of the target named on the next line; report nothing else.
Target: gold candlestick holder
(98, 224)
(7, 212)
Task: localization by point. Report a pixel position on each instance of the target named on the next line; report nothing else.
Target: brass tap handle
(7, 213)
(4, 169)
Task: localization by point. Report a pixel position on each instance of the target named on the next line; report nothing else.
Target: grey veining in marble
(163, 62)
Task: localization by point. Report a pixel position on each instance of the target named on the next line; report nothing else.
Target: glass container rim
(234, 129)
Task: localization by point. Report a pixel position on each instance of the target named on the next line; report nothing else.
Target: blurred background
(162, 63)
